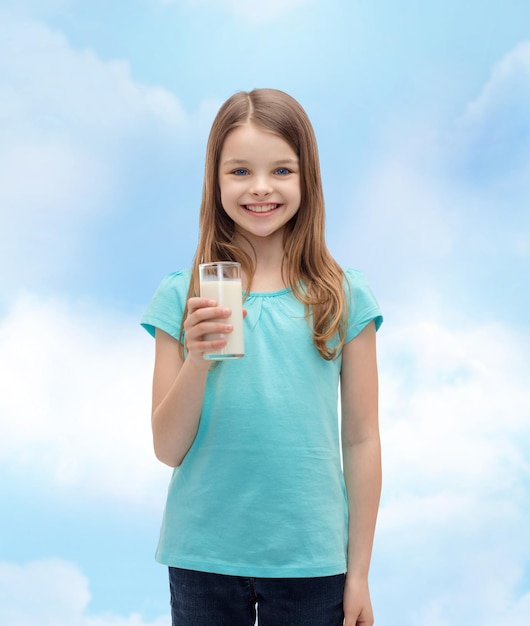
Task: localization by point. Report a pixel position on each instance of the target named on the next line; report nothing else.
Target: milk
(227, 293)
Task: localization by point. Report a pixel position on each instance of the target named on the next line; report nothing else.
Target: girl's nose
(261, 186)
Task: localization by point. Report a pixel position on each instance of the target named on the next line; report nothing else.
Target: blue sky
(422, 112)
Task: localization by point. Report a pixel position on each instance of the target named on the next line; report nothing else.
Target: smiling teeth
(262, 208)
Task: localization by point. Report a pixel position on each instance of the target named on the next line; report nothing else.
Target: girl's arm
(361, 451)
(178, 386)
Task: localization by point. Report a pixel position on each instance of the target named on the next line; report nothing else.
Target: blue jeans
(204, 599)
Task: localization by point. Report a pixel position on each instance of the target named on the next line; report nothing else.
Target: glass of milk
(221, 281)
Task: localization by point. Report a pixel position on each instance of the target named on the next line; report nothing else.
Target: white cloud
(253, 11)
(451, 197)
(455, 412)
(456, 404)
(75, 401)
(53, 593)
(69, 123)
(493, 135)
(53, 85)
(508, 88)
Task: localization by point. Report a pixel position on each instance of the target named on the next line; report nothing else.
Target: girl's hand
(357, 603)
(205, 318)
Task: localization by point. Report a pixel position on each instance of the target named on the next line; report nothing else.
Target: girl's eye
(240, 172)
(282, 171)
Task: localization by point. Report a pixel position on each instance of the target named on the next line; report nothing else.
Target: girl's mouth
(260, 208)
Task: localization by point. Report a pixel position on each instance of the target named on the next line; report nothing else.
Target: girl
(259, 511)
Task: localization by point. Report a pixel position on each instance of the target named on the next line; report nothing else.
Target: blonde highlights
(308, 267)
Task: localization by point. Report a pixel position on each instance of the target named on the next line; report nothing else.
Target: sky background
(422, 114)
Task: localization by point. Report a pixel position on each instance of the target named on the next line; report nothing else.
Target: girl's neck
(268, 254)
(267, 277)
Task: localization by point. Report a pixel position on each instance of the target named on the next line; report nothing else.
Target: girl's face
(259, 179)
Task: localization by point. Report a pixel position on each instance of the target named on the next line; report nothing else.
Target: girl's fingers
(210, 328)
(198, 303)
(200, 309)
(207, 322)
(205, 326)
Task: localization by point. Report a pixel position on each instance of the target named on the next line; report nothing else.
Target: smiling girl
(260, 511)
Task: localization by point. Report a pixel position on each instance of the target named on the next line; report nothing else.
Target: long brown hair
(308, 267)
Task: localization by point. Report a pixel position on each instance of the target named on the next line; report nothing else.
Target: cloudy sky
(422, 112)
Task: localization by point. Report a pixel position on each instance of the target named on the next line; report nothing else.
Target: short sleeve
(167, 306)
(363, 306)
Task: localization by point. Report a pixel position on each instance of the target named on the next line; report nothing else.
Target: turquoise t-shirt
(261, 493)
